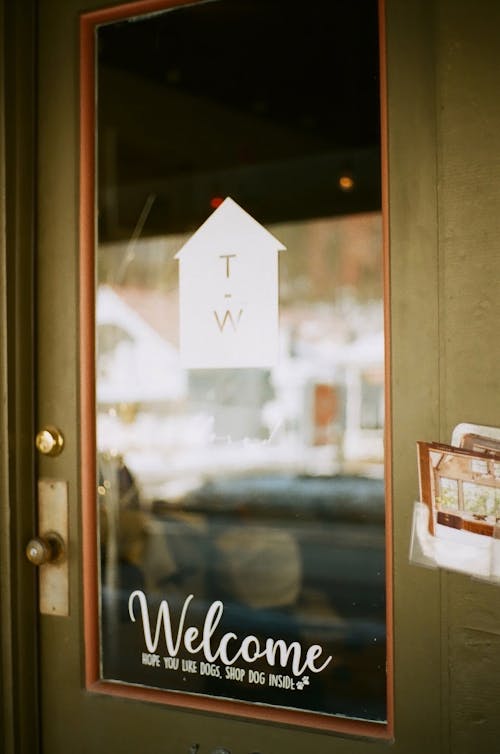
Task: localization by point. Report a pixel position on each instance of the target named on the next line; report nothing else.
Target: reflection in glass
(256, 495)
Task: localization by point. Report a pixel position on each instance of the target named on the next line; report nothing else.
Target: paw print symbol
(304, 681)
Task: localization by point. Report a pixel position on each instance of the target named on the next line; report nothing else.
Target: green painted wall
(468, 159)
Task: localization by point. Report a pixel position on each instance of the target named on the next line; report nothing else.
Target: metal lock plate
(53, 517)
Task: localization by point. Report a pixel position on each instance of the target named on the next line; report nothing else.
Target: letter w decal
(228, 317)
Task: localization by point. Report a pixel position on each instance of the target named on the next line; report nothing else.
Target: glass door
(212, 346)
(239, 371)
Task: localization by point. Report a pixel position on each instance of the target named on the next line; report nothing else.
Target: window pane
(241, 490)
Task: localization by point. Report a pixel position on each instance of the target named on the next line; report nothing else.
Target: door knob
(49, 441)
(46, 549)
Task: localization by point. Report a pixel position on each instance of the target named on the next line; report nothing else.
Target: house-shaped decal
(228, 292)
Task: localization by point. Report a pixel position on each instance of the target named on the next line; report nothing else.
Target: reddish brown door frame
(88, 412)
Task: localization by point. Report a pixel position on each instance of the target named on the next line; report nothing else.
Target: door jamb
(19, 718)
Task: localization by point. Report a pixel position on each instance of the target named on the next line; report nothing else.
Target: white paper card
(228, 292)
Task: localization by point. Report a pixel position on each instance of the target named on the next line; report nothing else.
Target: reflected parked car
(296, 557)
(332, 527)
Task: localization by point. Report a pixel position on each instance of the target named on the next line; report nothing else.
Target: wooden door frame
(333, 724)
(19, 720)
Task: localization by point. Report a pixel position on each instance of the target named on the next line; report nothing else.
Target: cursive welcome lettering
(250, 649)
(163, 617)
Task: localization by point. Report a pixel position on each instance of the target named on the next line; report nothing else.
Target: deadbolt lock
(46, 549)
(49, 441)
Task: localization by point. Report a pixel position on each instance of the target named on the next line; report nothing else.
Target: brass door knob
(49, 441)
(46, 549)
